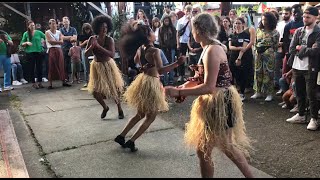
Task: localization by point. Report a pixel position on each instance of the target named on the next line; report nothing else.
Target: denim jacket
(306, 51)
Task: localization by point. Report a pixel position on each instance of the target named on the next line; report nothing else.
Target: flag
(262, 7)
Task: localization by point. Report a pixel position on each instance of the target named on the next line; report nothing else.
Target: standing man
(5, 61)
(69, 35)
(305, 47)
(166, 12)
(183, 34)
(286, 16)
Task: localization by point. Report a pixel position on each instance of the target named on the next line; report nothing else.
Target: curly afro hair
(99, 20)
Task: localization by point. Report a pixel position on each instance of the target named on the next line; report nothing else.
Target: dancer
(216, 115)
(146, 92)
(105, 77)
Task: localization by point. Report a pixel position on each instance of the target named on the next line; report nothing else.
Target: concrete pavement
(60, 134)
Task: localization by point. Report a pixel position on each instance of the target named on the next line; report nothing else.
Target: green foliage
(255, 8)
(15, 24)
(117, 21)
(241, 9)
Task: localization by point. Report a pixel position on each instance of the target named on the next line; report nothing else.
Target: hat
(312, 11)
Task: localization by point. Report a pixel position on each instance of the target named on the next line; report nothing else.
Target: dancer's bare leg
(99, 98)
(237, 157)
(120, 111)
(150, 117)
(206, 163)
(131, 123)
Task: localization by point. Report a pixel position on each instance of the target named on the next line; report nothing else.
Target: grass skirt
(208, 122)
(106, 78)
(146, 93)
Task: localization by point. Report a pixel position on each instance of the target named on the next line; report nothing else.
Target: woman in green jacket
(31, 40)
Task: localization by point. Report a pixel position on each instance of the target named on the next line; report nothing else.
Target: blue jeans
(86, 65)
(17, 68)
(284, 86)
(278, 67)
(6, 63)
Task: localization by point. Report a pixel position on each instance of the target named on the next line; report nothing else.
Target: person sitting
(16, 69)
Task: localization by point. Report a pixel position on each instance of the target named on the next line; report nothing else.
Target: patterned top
(224, 75)
(267, 38)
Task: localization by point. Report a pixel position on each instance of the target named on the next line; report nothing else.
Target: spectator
(225, 31)
(166, 12)
(305, 48)
(155, 27)
(141, 16)
(69, 35)
(5, 47)
(32, 41)
(240, 62)
(56, 63)
(17, 71)
(44, 55)
(183, 33)
(174, 18)
(280, 53)
(168, 43)
(289, 97)
(83, 41)
(267, 43)
(75, 54)
(233, 15)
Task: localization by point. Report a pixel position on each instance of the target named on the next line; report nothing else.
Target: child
(75, 54)
(16, 69)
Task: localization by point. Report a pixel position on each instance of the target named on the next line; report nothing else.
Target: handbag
(183, 30)
(262, 49)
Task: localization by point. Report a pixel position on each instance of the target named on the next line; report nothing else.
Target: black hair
(271, 19)
(99, 20)
(288, 9)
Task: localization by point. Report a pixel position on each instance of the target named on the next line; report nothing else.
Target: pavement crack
(16, 103)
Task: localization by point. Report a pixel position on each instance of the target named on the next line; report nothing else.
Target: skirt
(106, 78)
(212, 115)
(56, 64)
(146, 93)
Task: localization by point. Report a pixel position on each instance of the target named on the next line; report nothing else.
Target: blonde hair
(206, 25)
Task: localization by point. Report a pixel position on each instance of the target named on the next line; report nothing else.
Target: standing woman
(240, 63)
(216, 115)
(141, 16)
(146, 92)
(105, 77)
(266, 46)
(155, 28)
(56, 60)
(31, 40)
(87, 32)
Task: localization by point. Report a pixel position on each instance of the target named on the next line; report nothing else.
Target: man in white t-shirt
(286, 18)
(182, 41)
(305, 47)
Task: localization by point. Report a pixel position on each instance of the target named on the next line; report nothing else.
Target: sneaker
(0, 89)
(23, 81)
(294, 109)
(179, 79)
(35, 79)
(282, 103)
(8, 88)
(16, 83)
(242, 97)
(313, 125)
(297, 119)
(44, 79)
(255, 96)
(85, 85)
(269, 98)
(284, 106)
(279, 92)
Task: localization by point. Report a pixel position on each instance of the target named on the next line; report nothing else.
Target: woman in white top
(56, 62)
(155, 27)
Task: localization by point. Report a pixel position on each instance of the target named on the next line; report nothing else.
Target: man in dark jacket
(304, 50)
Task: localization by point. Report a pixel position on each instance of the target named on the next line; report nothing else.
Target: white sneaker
(242, 97)
(284, 106)
(297, 119)
(8, 88)
(294, 109)
(279, 92)
(282, 103)
(23, 81)
(44, 79)
(313, 125)
(36, 79)
(0, 89)
(179, 79)
(16, 83)
(255, 96)
(269, 98)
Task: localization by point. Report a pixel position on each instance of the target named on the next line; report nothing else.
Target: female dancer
(146, 92)
(216, 115)
(105, 77)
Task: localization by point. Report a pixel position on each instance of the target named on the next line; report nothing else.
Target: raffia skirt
(146, 93)
(212, 115)
(106, 78)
